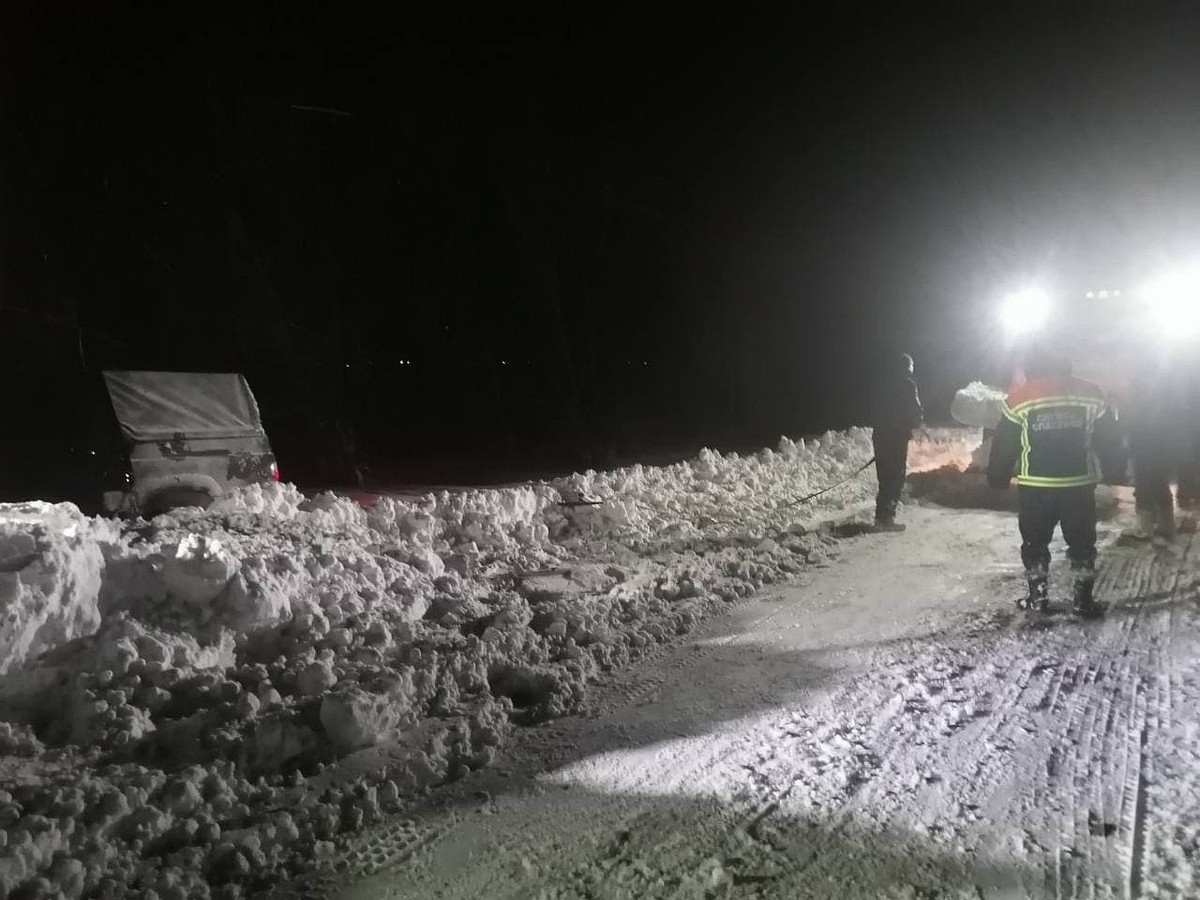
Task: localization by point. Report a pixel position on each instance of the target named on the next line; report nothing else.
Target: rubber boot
(1039, 593)
(1084, 603)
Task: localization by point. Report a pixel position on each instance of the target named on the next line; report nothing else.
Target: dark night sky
(756, 208)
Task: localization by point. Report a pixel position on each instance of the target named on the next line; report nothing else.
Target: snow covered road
(889, 726)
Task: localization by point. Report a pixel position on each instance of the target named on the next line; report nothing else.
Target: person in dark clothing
(1161, 436)
(897, 412)
(1053, 428)
(1189, 433)
(1189, 469)
(1153, 470)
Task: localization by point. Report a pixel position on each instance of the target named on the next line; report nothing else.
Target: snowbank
(51, 560)
(186, 678)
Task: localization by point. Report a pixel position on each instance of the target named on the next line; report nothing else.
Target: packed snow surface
(202, 704)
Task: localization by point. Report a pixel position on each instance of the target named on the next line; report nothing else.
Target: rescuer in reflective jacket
(1054, 426)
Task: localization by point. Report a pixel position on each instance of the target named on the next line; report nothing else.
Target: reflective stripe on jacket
(1047, 433)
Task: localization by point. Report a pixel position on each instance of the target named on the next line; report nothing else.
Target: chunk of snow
(978, 405)
(51, 565)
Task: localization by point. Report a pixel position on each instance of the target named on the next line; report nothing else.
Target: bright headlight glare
(1024, 311)
(1173, 302)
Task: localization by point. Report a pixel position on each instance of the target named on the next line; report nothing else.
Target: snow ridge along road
(889, 727)
(207, 704)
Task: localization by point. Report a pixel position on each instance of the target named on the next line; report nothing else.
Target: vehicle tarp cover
(154, 406)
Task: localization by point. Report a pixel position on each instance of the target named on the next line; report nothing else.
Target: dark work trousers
(1152, 471)
(1189, 472)
(1072, 507)
(891, 467)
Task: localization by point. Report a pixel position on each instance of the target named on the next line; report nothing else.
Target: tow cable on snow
(826, 490)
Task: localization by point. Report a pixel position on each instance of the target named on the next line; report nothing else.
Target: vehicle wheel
(174, 498)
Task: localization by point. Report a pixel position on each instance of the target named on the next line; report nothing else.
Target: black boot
(1084, 603)
(1039, 593)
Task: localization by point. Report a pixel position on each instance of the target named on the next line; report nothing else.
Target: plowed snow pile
(173, 689)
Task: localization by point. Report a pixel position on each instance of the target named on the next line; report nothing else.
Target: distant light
(1090, 294)
(1103, 294)
(1116, 293)
(504, 362)
(1024, 311)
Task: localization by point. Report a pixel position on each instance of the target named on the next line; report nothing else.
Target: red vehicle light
(275, 472)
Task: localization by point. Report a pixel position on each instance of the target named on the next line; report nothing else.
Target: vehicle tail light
(275, 476)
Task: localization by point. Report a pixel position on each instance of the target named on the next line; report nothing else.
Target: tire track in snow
(1076, 699)
(1080, 707)
(1157, 718)
(1079, 704)
(1087, 688)
(1120, 659)
(1087, 691)
(387, 847)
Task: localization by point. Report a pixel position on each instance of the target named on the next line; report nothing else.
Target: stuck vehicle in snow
(132, 442)
(189, 437)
